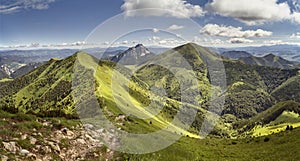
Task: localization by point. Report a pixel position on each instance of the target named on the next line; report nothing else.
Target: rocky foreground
(52, 141)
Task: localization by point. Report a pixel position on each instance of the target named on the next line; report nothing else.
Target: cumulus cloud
(105, 43)
(273, 42)
(7, 10)
(175, 27)
(125, 42)
(239, 40)
(232, 32)
(295, 36)
(155, 38)
(11, 6)
(170, 42)
(73, 44)
(253, 12)
(208, 41)
(296, 17)
(174, 8)
(37, 45)
(155, 30)
(178, 35)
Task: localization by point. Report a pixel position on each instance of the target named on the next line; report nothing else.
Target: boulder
(11, 146)
(24, 152)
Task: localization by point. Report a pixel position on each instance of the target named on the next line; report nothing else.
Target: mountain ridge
(270, 60)
(46, 91)
(234, 54)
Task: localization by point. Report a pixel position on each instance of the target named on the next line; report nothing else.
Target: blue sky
(65, 23)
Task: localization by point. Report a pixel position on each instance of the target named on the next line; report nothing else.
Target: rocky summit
(133, 56)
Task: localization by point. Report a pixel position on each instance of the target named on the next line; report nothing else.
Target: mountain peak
(270, 56)
(139, 45)
(133, 55)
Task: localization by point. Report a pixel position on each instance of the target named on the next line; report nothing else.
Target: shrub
(266, 139)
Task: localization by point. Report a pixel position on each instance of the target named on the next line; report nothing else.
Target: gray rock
(81, 141)
(100, 130)
(88, 126)
(11, 146)
(33, 156)
(24, 152)
(54, 146)
(23, 137)
(67, 132)
(46, 149)
(32, 140)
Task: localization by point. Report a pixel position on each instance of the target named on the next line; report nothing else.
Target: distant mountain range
(12, 60)
(235, 54)
(270, 60)
(289, 52)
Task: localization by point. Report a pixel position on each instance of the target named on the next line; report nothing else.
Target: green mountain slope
(250, 90)
(272, 120)
(162, 71)
(44, 91)
(282, 146)
(250, 87)
(289, 90)
(269, 60)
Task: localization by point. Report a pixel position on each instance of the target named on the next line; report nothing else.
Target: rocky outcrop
(78, 143)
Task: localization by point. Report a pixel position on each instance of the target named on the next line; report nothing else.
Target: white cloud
(171, 42)
(163, 42)
(174, 8)
(78, 43)
(155, 30)
(296, 17)
(125, 42)
(295, 36)
(175, 27)
(239, 40)
(105, 43)
(9, 10)
(36, 44)
(41, 6)
(155, 38)
(208, 41)
(178, 35)
(273, 42)
(73, 44)
(253, 12)
(11, 6)
(232, 32)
